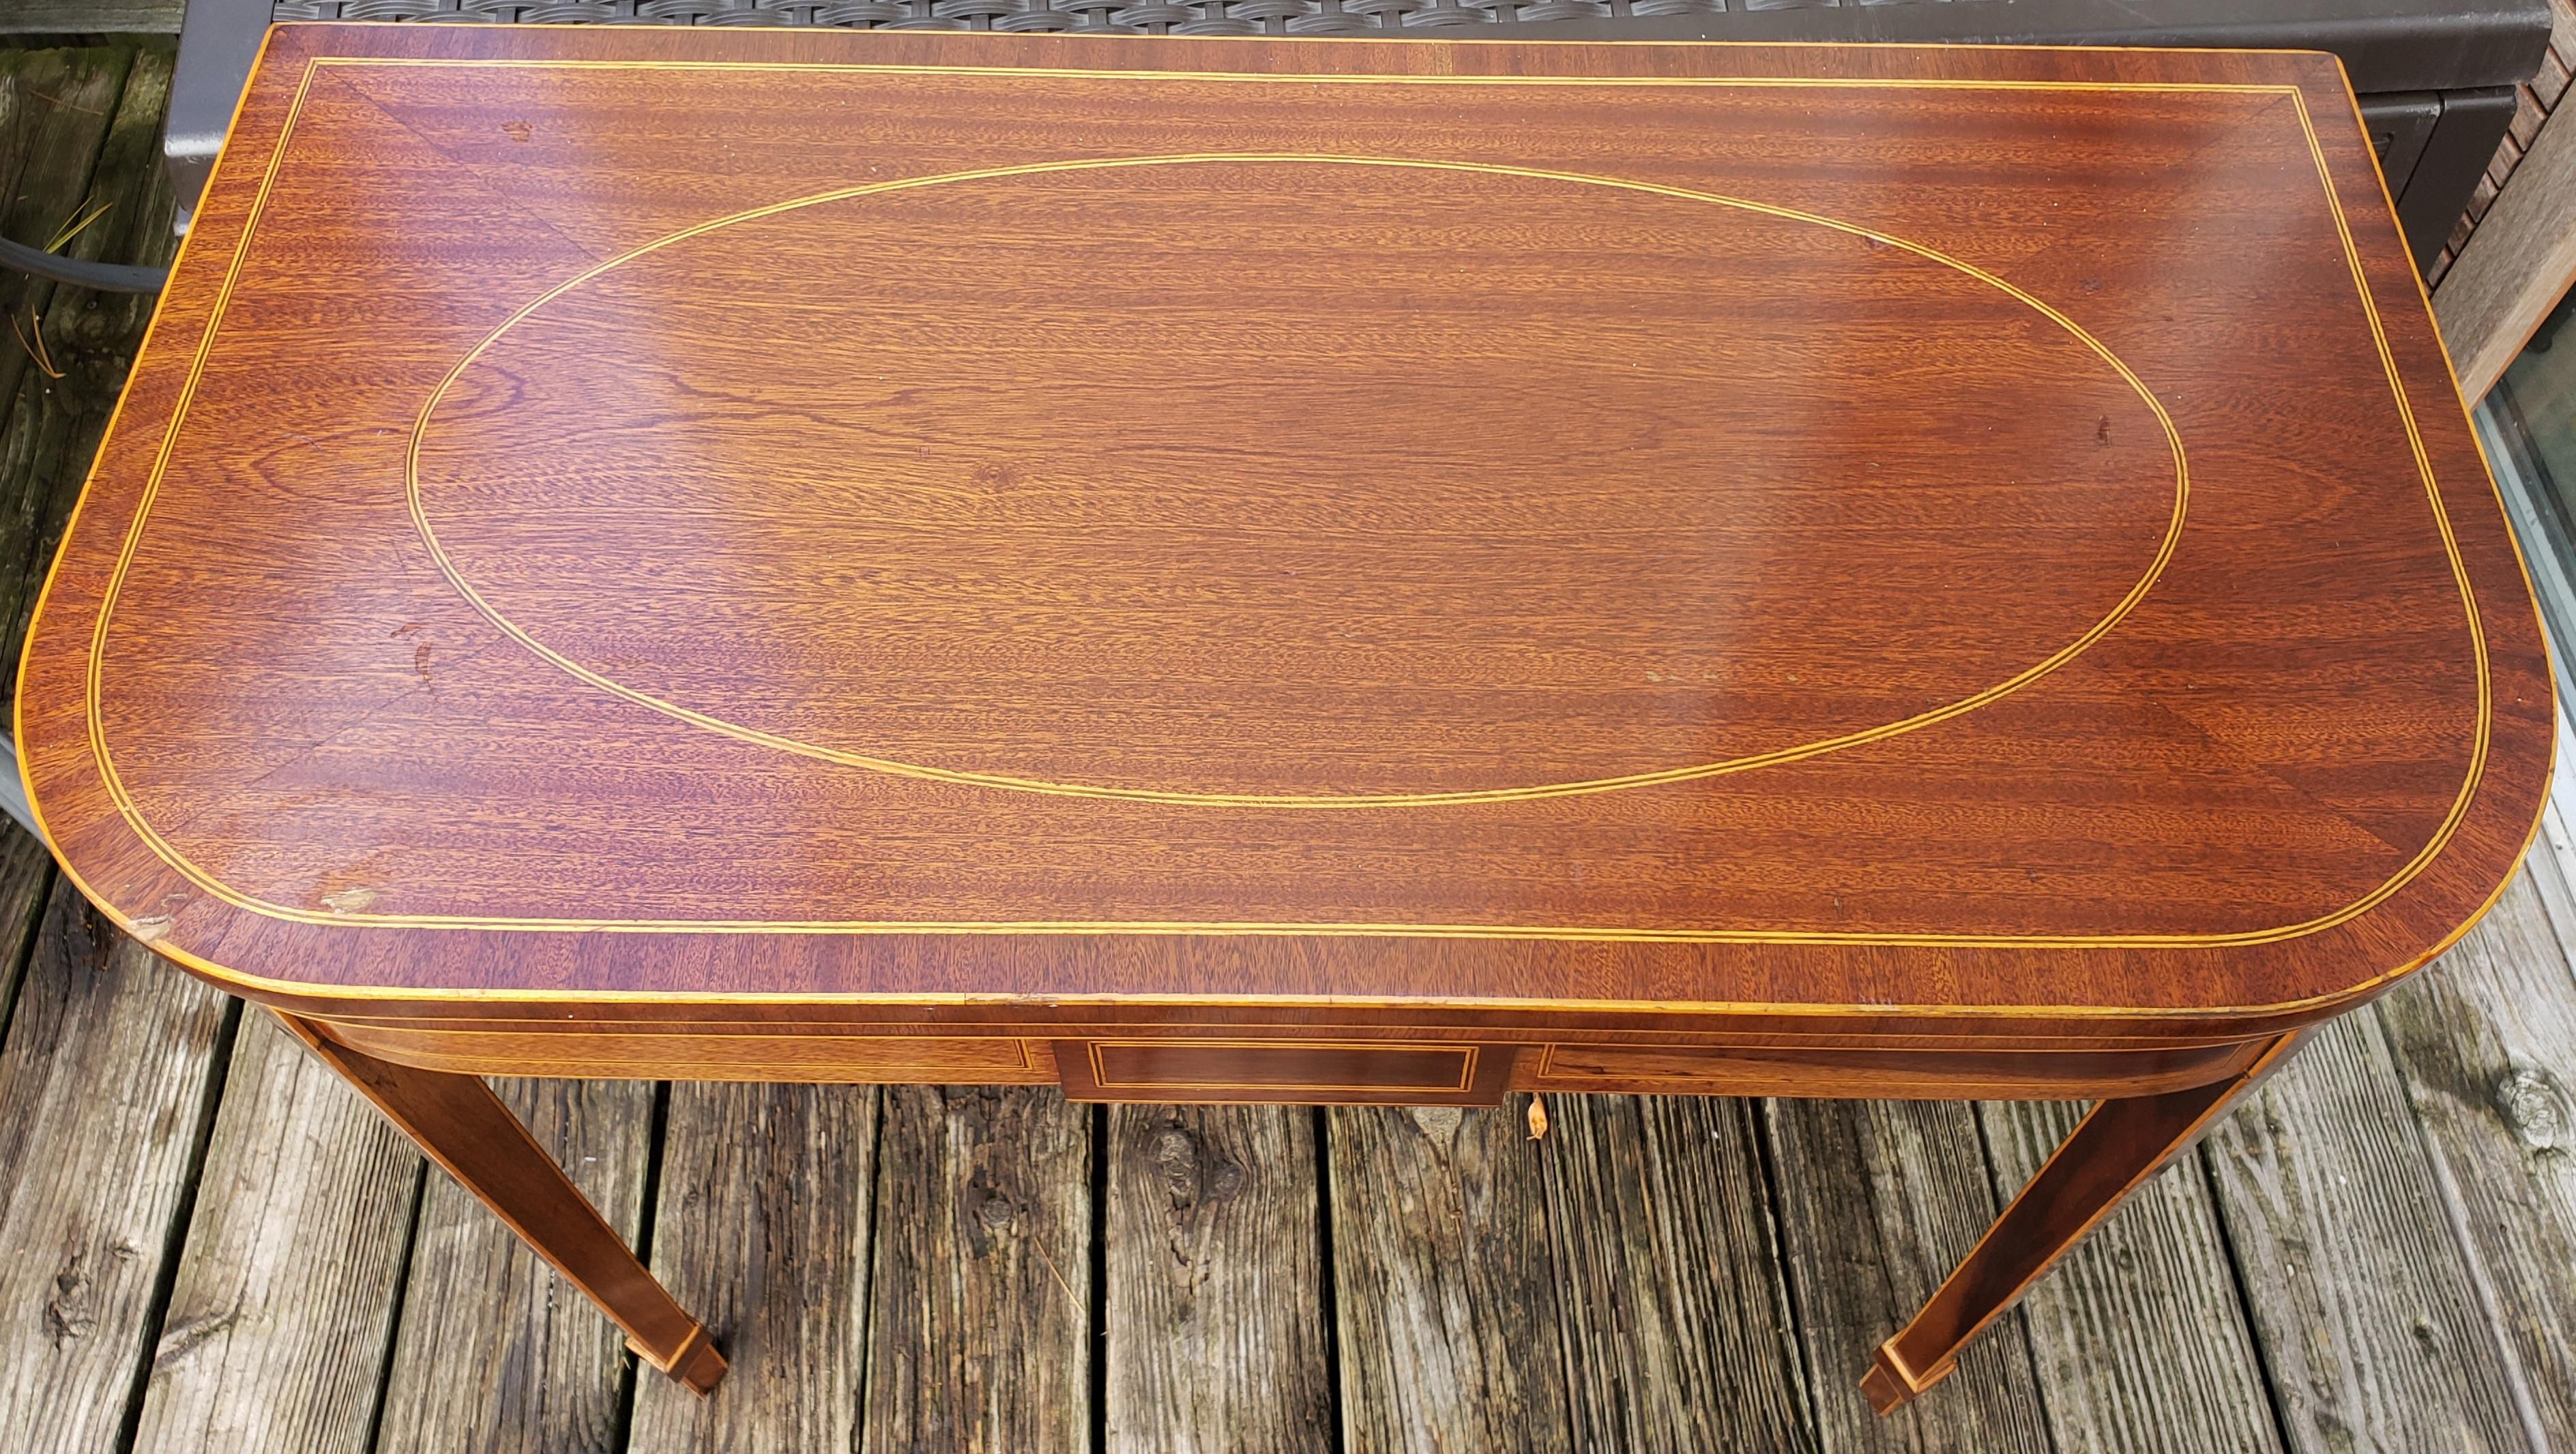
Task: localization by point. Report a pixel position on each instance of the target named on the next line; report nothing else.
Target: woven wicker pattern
(1172, 17)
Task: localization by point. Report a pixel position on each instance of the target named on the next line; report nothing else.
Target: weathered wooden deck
(207, 1243)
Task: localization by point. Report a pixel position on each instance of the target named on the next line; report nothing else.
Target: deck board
(282, 1316)
(2359, 1292)
(55, 110)
(2137, 1339)
(79, 134)
(1878, 1200)
(980, 1335)
(187, 1218)
(493, 1353)
(1444, 1295)
(761, 1227)
(36, 17)
(89, 337)
(2488, 1052)
(1215, 1282)
(26, 880)
(106, 1083)
(1676, 1316)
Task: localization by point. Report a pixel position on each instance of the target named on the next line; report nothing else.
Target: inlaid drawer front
(1864, 1071)
(844, 1059)
(1387, 1072)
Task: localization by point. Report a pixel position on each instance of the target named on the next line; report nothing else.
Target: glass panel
(2539, 392)
(2527, 425)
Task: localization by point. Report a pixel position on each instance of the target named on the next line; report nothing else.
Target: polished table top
(917, 525)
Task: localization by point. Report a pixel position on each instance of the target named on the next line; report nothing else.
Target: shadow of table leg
(464, 1127)
(2111, 1153)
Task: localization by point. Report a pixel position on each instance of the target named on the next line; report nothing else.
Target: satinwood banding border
(214, 887)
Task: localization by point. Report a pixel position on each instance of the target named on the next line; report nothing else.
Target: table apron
(1386, 1067)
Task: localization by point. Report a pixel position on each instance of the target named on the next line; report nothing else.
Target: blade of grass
(35, 350)
(81, 220)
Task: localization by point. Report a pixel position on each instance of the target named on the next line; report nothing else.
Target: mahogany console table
(1291, 571)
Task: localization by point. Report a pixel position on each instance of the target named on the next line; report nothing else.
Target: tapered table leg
(2111, 1153)
(466, 1129)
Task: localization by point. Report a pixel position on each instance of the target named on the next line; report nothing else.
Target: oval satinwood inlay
(1147, 504)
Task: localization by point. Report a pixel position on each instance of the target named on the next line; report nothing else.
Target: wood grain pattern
(2488, 1051)
(767, 1199)
(2367, 1312)
(1498, 598)
(464, 1127)
(121, 16)
(26, 879)
(1723, 585)
(56, 109)
(490, 1354)
(1208, 1069)
(56, 102)
(1839, 1070)
(1215, 1275)
(1878, 1201)
(107, 1081)
(90, 337)
(2119, 1146)
(281, 1321)
(980, 1336)
(2137, 1340)
(1669, 1278)
(2515, 265)
(1445, 1293)
(1468, 1352)
(744, 1054)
